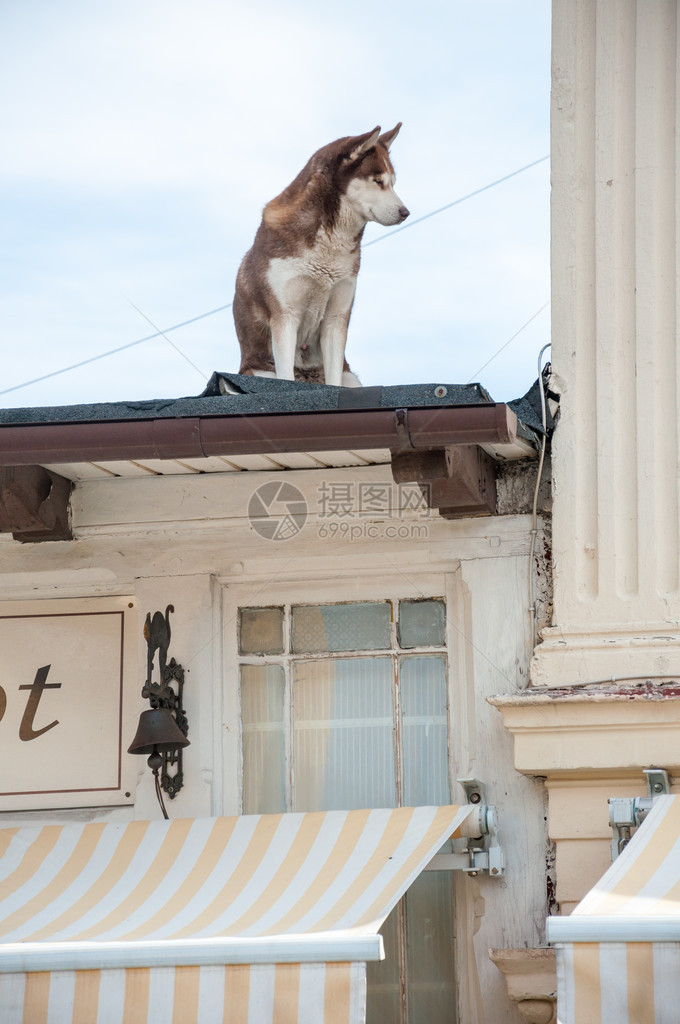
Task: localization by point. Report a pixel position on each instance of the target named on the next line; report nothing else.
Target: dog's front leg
(284, 342)
(334, 329)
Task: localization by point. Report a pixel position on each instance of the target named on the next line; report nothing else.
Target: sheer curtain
(262, 723)
(343, 726)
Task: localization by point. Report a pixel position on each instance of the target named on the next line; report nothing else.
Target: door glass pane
(429, 949)
(261, 631)
(341, 627)
(262, 703)
(343, 726)
(383, 990)
(424, 730)
(422, 624)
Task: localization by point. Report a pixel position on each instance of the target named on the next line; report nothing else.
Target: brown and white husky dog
(295, 287)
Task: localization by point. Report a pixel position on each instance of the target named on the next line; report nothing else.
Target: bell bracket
(167, 693)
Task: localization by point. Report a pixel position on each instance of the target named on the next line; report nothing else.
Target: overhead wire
(113, 351)
(169, 340)
(506, 343)
(533, 609)
(456, 202)
(220, 309)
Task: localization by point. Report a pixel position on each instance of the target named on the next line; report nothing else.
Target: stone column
(615, 344)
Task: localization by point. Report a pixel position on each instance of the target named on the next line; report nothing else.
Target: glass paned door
(345, 706)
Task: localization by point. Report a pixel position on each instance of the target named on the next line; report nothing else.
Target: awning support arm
(626, 813)
(483, 852)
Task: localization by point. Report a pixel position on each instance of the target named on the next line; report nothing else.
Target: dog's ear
(361, 144)
(388, 138)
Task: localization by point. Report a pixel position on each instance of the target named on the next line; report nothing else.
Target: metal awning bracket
(483, 853)
(626, 813)
(658, 783)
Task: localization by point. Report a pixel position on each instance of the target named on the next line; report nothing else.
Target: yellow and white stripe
(248, 994)
(618, 954)
(108, 916)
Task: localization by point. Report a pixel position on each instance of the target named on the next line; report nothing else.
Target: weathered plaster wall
(188, 541)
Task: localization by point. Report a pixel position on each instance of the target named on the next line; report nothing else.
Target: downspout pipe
(261, 434)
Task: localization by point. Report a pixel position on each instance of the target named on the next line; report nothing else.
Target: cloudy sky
(141, 139)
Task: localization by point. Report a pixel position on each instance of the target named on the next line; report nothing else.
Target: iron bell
(157, 731)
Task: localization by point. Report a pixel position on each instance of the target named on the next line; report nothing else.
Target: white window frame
(400, 585)
(394, 653)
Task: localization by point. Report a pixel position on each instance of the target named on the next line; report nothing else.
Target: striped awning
(618, 953)
(254, 918)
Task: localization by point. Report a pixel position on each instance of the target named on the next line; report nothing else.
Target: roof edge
(401, 429)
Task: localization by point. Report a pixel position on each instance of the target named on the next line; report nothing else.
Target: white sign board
(68, 689)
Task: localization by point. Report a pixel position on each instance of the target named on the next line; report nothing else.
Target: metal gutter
(200, 436)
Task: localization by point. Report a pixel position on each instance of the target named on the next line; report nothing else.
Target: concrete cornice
(604, 652)
(592, 733)
(531, 978)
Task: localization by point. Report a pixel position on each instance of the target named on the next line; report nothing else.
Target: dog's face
(370, 188)
(374, 198)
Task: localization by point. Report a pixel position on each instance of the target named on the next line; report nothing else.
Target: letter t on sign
(26, 730)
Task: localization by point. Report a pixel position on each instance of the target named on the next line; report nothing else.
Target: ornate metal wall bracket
(164, 734)
(164, 696)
